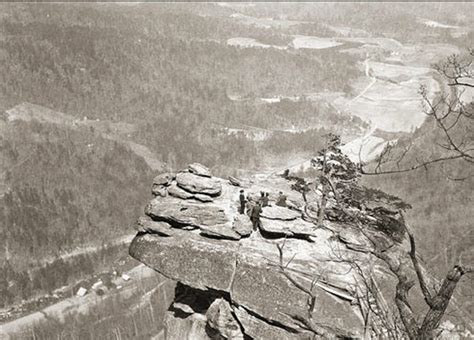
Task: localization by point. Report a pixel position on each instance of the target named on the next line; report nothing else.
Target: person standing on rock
(281, 201)
(255, 215)
(262, 197)
(242, 202)
(265, 200)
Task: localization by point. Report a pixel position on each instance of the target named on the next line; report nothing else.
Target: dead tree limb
(451, 115)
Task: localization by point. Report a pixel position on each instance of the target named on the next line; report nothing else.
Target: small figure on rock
(265, 200)
(242, 202)
(281, 201)
(286, 173)
(255, 215)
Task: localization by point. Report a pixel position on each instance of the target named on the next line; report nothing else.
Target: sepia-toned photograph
(236, 170)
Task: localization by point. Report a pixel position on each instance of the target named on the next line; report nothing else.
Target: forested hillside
(65, 187)
(140, 62)
(442, 200)
(164, 69)
(163, 78)
(124, 77)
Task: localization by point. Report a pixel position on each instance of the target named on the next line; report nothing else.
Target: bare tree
(454, 121)
(307, 322)
(437, 300)
(454, 118)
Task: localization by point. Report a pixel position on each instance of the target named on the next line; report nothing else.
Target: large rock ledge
(246, 271)
(194, 234)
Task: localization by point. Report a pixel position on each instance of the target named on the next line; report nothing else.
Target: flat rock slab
(198, 184)
(243, 270)
(296, 227)
(176, 191)
(220, 231)
(267, 292)
(199, 169)
(279, 213)
(185, 258)
(203, 198)
(183, 213)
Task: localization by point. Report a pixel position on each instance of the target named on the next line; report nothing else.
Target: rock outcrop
(255, 284)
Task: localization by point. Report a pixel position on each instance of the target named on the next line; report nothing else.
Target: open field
(264, 22)
(303, 41)
(387, 96)
(250, 42)
(390, 101)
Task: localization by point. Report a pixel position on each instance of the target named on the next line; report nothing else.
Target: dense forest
(65, 187)
(107, 62)
(164, 69)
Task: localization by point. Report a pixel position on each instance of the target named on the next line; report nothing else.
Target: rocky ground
(293, 278)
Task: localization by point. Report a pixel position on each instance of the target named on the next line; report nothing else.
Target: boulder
(184, 258)
(220, 231)
(159, 190)
(243, 269)
(179, 327)
(183, 213)
(199, 169)
(274, 229)
(146, 225)
(298, 228)
(239, 270)
(203, 198)
(354, 239)
(259, 328)
(220, 318)
(164, 179)
(234, 181)
(242, 225)
(176, 191)
(279, 213)
(198, 185)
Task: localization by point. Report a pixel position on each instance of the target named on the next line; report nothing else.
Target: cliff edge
(292, 277)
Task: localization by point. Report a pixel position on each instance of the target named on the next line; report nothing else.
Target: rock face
(220, 318)
(198, 184)
(199, 169)
(194, 234)
(182, 213)
(280, 213)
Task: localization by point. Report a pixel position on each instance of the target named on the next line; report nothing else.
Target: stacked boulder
(178, 203)
(237, 283)
(230, 277)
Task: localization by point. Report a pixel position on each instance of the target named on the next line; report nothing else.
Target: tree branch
(419, 271)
